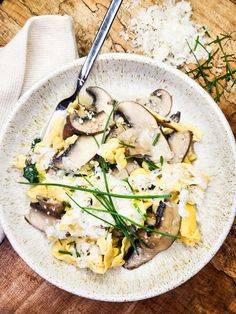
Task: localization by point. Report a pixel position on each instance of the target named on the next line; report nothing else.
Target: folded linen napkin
(41, 46)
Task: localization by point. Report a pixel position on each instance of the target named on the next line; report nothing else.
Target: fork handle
(98, 42)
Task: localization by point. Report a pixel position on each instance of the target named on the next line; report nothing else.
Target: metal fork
(93, 53)
(90, 59)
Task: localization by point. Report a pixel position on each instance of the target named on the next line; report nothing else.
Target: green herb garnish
(99, 193)
(151, 165)
(127, 145)
(161, 160)
(144, 216)
(128, 219)
(71, 243)
(214, 83)
(107, 122)
(31, 174)
(96, 141)
(130, 157)
(156, 138)
(78, 254)
(65, 252)
(127, 181)
(35, 141)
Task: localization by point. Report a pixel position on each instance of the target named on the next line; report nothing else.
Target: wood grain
(213, 289)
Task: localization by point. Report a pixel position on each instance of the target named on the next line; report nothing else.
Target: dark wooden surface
(213, 289)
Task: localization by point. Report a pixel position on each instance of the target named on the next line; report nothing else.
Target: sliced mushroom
(179, 143)
(102, 101)
(76, 125)
(142, 132)
(151, 219)
(78, 154)
(159, 101)
(49, 206)
(116, 130)
(176, 117)
(159, 213)
(39, 219)
(156, 243)
(100, 110)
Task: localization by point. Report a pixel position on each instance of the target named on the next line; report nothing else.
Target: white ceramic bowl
(124, 76)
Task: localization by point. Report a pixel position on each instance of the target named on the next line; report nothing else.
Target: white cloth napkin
(41, 46)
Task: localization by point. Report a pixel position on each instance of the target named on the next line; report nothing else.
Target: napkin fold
(41, 46)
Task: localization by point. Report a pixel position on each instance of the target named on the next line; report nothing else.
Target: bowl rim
(188, 81)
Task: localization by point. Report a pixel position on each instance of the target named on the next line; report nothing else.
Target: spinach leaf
(31, 173)
(35, 141)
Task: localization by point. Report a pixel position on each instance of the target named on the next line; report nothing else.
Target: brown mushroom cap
(49, 206)
(76, 125)
(78, 154)
(101, 107)
(176, 117)
(142, 132)
(179, 143)
(156, 243)
(102, 101)
(39, 219)
(159, 101)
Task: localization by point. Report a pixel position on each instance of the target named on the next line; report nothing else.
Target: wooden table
(213, 289)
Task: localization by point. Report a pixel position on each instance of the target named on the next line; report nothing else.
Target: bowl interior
(125, 77)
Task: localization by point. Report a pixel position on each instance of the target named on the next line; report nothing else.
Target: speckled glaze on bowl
(125, 77)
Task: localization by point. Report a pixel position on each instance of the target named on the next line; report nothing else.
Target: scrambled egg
(54, 137)
(99, 255)
(189, 231)
(53, 192)
(97, 251)
(114, 152)
(197, 134)
(20, 162)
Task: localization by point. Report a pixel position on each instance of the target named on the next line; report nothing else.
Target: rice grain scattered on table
(162, 32)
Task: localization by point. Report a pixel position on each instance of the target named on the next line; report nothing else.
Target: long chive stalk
(97, 192)
(135, 223)
(125, 232)
(111, 209)
(85, 209)
(107, 123)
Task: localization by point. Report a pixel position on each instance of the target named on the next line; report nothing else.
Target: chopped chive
(127, 145)
(107, 123)
(136, 224)
(161, 160)
(139, 211)
(196, 43)
(201, 71)
(156, 138)
(96, 141)
(151, 165)
(65, 252)
(206, 31)
(98, 192)
(60, 241)
(78, 254)
(130, 157)
(70, 243)
(127, 181)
